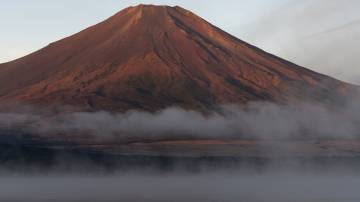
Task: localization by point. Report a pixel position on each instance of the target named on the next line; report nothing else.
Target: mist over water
(256, 120)
(269, 186)
(292, 181)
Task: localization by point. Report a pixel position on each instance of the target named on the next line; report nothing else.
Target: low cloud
(257, 120)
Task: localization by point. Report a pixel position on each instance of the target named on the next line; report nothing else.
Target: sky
(323, 35)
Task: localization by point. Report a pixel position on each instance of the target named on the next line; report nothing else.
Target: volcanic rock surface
(151, 57)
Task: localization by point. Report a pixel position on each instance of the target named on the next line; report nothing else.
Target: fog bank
(257, 120)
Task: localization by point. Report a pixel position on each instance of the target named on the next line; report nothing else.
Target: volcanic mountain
(151, 57)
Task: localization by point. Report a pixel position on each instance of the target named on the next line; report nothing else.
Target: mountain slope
(150, 57)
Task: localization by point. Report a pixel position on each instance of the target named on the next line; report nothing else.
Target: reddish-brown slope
(151, 57)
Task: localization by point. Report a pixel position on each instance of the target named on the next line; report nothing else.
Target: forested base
(25, 159)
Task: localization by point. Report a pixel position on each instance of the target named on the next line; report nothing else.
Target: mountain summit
(151, 57)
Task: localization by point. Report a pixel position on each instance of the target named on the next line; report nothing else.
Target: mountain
(150, 57)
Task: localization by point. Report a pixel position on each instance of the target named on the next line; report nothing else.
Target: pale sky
(323, 35)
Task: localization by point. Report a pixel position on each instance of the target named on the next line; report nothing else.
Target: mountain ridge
(151, 57)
